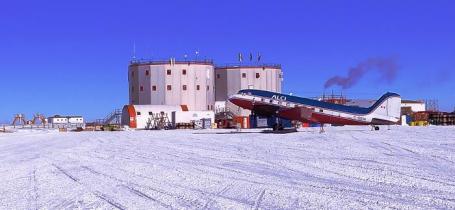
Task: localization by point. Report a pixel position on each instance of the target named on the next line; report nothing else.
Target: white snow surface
(344, 168)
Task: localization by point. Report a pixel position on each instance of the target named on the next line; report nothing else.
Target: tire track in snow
(66, 173)
(135, 191)
(96, 193)
(221, 192)
(33, 192)
(109, 200)
(144, 195)
(258, 201)
(181, 200)
(193, 160)
(180, 187)
(187, 203)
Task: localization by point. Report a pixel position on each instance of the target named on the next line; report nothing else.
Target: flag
(240, 57)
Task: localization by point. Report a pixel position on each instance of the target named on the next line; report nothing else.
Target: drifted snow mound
(346, 167)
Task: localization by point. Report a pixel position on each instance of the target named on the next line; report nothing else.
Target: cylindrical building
(230, 79)
(186, 83)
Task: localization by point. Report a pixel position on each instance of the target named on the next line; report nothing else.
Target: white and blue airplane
(385, 111)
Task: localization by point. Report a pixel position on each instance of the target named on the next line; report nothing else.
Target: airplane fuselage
(383, 112)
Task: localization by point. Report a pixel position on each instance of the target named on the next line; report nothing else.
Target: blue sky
(71, 57)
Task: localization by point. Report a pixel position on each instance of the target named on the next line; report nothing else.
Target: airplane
(385, 111)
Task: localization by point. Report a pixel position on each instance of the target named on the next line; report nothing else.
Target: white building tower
(186, 83)
(230, 79)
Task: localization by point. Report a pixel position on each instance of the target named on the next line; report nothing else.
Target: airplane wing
(265, 109)
(302, 114)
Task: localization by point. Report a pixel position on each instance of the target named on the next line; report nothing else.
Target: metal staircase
(224, 114)
(113, 118)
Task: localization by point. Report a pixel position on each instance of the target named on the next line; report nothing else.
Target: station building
(177, 83)
(232, 78)
(184, 90)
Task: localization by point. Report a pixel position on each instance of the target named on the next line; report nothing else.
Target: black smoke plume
(386, 67)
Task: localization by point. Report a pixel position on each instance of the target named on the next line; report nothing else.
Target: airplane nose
(234, 99)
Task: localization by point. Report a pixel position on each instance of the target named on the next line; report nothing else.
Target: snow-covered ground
(346, 167)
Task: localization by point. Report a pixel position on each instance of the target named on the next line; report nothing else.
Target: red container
(243, 121)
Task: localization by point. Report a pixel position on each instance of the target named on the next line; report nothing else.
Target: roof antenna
(134, 50)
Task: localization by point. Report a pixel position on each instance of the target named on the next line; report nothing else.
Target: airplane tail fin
(387, 108)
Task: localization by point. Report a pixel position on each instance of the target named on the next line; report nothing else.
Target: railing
(114, 115)
(249, 65)
(169, 61)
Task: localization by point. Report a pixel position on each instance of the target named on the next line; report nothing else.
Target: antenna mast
(134, 50)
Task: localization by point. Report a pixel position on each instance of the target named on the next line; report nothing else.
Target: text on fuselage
(278, 97)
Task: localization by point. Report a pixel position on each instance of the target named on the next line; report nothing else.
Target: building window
(168, 72)
(208, 87)
(132, 73)
(138, 113)
(150, 113)
(184, 71)
(281, 76)
(208, 107)
(257, 75)
(169, 87)
(142, 88)
(218, 76)
(147, 72)
(321, 110)
(243, 75)
(184, 87)
(154, 87)
(198, 87)
(132, 88)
